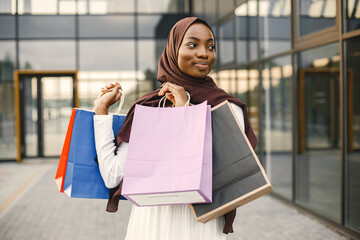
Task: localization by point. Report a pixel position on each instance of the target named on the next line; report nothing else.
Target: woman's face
(196, 54)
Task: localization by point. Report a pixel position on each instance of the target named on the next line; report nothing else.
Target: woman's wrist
(100, 110)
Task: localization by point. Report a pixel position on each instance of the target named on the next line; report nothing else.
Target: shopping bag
(83, 178)
(60, 173)
(238, 176)
(78, 170)
(169, 158)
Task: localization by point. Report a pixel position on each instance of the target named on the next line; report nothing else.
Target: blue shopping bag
(82, 177)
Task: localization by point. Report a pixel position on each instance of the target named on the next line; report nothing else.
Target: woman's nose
(202, 52)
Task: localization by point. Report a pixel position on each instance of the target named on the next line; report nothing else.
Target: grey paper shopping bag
(238, 176)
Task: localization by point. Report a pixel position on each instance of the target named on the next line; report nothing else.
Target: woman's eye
(192, 45)
(212, 47)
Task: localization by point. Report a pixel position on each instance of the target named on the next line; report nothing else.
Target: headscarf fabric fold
(200, 90)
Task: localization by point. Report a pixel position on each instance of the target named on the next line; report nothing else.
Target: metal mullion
(323, 37)
(343, 116)
(351, 34)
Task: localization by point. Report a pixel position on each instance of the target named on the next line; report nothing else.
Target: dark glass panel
(246, 25)
(352, 13)
(210, 10)
(107, 55)
(148, 25)
(46, 26)
(227, 42)
(277, 123)
(313, 16)
(275, 26)
(106, 26)
(7, 27)
(353, 133)
(318, 162)
(47, 55)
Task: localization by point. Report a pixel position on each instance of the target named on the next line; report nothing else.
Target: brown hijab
(200, 89)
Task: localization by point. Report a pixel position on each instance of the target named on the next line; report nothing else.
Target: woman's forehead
(199, 30)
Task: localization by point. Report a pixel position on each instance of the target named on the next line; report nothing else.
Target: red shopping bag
(60, 173)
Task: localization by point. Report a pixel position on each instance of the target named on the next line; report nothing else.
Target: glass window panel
(8, 6)
(159, 6)
(108, 6)
(210, 11)
(107, 55)
(246, 32)
(227, 81)
(57, 96)
(7, 60)
(277, 124)
(314, 16)
(352, 214)
(318, 162)
(225, 7)
(47, 55)
(67, 6)
(106, 26)
(352, 13)
(247, 90)
(227, 42)
(197, 7)
(7, 121)
(7, 27)
(148, 25)
(37, 6)
(275, 26)
(46, 26)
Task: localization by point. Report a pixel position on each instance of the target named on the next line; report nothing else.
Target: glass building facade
(294, 63)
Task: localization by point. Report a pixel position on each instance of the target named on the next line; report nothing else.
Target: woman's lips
(201, 65)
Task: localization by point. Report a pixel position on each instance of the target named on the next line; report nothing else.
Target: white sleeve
(239, 114)
(111, 166)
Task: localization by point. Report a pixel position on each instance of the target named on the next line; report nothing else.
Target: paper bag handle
(164, 99)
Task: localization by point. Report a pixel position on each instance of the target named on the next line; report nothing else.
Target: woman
(183, 66)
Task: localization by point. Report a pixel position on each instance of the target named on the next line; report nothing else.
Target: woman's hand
(109, 95)
(176, 94)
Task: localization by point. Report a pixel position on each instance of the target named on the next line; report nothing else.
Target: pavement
(32, 208)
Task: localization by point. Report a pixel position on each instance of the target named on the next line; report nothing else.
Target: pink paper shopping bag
(169, 159)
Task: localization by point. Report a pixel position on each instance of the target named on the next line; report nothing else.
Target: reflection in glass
(275, 26)
(210, 8)
(7, 121)
(227, 81)
(353, 15)
(319, 156)
(352, 214)
(225, 7)
(57, 96)
(246, 31)
(160, 6)
(277, 123)
(227, 42)
(314, 16)
(106, 26)
(44, 55)
(107, 55)
(7, 60)
(46, 26)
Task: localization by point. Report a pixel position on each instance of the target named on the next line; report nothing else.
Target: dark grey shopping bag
(238, 176)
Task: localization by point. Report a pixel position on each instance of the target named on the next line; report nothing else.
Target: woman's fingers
(176, 94)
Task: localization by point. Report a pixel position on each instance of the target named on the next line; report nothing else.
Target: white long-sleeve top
(112, 166)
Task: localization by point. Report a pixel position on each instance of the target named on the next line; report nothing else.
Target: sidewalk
(32, 208)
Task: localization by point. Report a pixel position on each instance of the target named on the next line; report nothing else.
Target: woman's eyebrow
(196, 39)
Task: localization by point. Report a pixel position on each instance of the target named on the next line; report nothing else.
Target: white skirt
(174, 222)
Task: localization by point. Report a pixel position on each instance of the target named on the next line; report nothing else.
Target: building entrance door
(44, 105)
